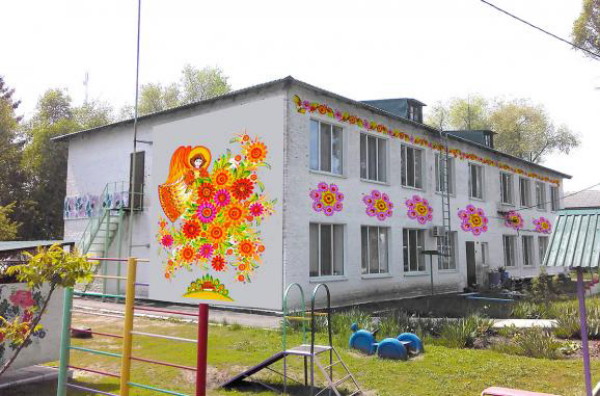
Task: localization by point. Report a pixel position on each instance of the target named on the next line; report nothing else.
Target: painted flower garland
(419, 209)
(327, 198)
(514, 220)
(303, 106)
(473, 220)
(378, 205)
(542, 225)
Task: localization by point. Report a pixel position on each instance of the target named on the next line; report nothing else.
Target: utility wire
(593, 54)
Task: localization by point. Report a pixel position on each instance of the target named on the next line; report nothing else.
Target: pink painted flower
(256, 209)
(22, 298)
(27, 316)
(419, 209)
(167, 240)
(378, 205)
(222, 198)
(323, 186)
(473, 220)
(206, 212)
(206, 251)
(542, 225)
(514, 220)
(327, 199)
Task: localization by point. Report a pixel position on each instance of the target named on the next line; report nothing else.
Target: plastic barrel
(391, 348)
(363, 341)
(415, 346)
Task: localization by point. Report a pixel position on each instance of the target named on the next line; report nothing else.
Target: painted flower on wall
(419, 209)
(514, 220)
(473, 220)
(327, 198)
(378, 205)
(542, 225)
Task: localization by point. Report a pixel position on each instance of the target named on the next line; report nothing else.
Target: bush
(463, 332)
(536, 342)
(567, 318)
(530, 310)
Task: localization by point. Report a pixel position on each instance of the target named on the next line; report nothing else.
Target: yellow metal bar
(296, 318)
(316, 313)
(128, 327)
(110, 277)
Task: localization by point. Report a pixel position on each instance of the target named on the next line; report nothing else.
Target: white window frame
(506, 180)
(527, 250)
(448, 263)
(485, 248)
(366, 264)
(540, 195)
(481, 182)
(341, 251)
(417, 167)
(381, 176)
(315, 158)
(509, 249)
(554, 199)
(410, 234)
(542, 248)
(438, 174)
(524, 199)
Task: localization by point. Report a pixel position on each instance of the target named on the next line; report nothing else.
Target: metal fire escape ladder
(444, 240)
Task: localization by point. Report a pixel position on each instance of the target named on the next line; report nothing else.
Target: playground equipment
(397, 348)
(310, 353)
(126, 356)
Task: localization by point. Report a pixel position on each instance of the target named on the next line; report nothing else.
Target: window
(374, 248)
(373, 158)
(484, 253)
(554, 201)
(543, 247)
(524, 192)
(439, 176)
(475, 181)
(540, 195)
(506, 188)
(415, 113)
(326, 249)
(413, 241)
(527, 241)
(412, 166)
(509, 243)
(447, 262)
(326, 147)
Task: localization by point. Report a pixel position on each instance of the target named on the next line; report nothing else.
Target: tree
(586, 28)
(93, 114)
(8, 228)
(524, 129)
(53, 106)
(155, 97)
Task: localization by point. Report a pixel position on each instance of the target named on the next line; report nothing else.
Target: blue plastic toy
(388, 348)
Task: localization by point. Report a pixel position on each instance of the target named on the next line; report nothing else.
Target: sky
(432, 50)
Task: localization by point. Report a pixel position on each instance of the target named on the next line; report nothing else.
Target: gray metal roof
(6, 246)
(582, 199)
(575, 241)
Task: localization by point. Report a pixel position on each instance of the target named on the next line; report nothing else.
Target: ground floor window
(326, 249)
(413, 245)
(527, 241)
(484, 253)
(543, 247)
(447, 259)
(510, 247)
(375, 250)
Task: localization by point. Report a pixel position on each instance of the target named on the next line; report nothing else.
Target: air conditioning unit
(437, 231)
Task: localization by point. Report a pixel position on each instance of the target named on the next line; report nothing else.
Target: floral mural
(378, 205)
(514, 220)
(304, 106)
(542, 225)
(419, 209)
(213, 215)
(19, 304)
(327, 198)
(87, 205)
(473, 220)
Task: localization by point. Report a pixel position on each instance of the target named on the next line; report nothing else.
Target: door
(136, 179)
(471, 271)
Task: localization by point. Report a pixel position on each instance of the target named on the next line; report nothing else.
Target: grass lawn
(440, 371)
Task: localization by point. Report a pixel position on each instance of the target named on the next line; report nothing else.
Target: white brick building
(317, 138)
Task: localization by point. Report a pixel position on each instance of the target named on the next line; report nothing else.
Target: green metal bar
(168, 392)
(96, 352)
(92, 294)
(284, 328)
(105, 251)
(65, 341)
(120, 240)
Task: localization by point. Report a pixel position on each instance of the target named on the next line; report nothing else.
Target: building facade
(360, 196)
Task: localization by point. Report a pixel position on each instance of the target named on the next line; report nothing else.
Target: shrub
(536, 342)
(529, 310)
(463, 332)
(567, 318)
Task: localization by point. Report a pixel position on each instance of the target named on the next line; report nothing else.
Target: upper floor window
(415, 112)
(527, 249)
(540, 195)
(373, 158)
(554, 200)
(326, 249)
(374, 249)
(524, 192)
(326, 147)
(412, 166)
(475, 181)
(440, 182)
(413, 244)
(506, 188)
(509, 243)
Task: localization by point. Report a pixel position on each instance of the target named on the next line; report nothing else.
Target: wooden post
(128, 327)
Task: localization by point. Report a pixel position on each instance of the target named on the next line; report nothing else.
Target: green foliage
(55, 266)
(8, 228)
(536, 342)
(586, 28)
(530, 310)
(567, 318)
(463, 332)
(341, 322)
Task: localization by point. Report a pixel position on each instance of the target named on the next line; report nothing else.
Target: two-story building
(351, 196)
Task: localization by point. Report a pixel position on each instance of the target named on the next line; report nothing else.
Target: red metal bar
(97, 333)
(202, 348)
(95, 371)
(165, 311)
(163, 363)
